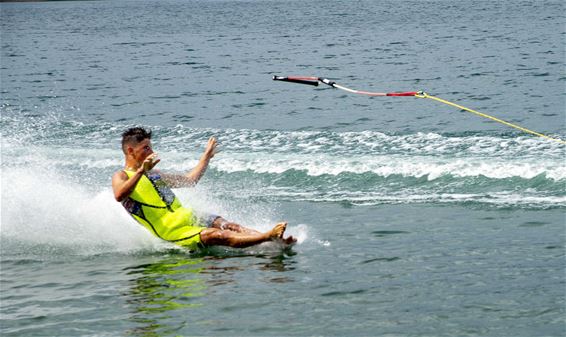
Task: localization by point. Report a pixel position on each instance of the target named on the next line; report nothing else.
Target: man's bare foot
(278, 231)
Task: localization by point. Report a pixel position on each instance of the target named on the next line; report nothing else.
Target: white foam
(432, 167)
(416, 196)
(41, 208)
(315, 152)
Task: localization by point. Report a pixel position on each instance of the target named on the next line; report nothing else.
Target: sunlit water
(413, 218)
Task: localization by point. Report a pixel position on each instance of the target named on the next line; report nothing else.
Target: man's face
(141, 150)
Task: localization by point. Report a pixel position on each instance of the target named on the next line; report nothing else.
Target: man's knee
(224, 224)
(219, 222)
(214, 236)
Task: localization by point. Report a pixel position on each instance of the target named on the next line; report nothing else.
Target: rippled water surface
(413, 218)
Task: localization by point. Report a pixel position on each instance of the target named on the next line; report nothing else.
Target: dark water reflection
(160, 288)
(167, 295)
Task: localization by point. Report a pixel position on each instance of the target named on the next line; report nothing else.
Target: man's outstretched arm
(193, 176)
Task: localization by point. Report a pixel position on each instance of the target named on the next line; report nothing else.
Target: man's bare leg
(216, 236)
(224, 224)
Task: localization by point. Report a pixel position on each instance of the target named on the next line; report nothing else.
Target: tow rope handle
(315, 80)
(301, 80)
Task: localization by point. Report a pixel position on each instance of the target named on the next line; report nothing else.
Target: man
(146, 194)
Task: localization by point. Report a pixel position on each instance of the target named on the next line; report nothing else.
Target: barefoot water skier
(146, 194)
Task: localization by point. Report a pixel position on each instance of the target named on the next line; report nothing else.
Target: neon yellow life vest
(155, 206)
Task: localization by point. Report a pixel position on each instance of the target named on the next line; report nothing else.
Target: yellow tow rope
(421, 94)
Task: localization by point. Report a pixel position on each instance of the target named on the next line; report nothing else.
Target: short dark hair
(134, 136)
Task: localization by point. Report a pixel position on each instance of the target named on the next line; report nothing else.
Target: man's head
(137, 142)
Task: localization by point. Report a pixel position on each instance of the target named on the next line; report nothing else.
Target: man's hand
(150, 162)
(192, 177)
(210, 150)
